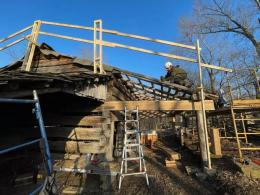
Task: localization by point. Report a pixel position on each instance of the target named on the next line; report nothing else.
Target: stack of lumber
(172, 156)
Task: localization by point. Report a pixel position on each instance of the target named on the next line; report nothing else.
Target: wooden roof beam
(163, 105)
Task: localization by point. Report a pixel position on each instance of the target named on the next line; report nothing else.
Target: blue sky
(152, 18)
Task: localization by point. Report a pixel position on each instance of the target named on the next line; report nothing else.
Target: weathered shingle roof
(52, 66)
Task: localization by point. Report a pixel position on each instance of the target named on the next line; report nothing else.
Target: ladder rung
(131, 140)
(132, 132)
(132, 145)
(137, 173)
(133, 158)
(243, 107)
(132, 120)
(247, 119)
(131, 110)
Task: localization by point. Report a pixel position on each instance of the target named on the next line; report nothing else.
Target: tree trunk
(257, 4)
(257, 47)
(253, 40)
(212, 81)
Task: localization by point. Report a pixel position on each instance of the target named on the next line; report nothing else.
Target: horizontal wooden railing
(123, 34)
(109, 44)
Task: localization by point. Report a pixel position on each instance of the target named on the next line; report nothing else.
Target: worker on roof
(175, 74)
(222, 101)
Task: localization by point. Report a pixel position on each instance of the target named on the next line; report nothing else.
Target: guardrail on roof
(98, 43)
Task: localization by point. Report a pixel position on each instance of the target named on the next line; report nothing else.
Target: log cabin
(83, 111)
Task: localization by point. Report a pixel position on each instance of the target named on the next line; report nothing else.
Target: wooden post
(98, 41)
(204, 120)
(111, 130)
(244, 128)
(95, 48)
(182, 136)
(215, 142)
(110, 148)
(224, 127)
(101, 69)
(27, 62)
(201, 131)
(193, 126)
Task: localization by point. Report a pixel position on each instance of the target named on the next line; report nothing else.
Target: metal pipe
(36, 190)
(89, 171)
(19, 146)
(17, 101)
(42, 130)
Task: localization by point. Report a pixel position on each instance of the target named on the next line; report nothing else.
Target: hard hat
(168, 65)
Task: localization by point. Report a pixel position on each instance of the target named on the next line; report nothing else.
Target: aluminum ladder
(132, 150)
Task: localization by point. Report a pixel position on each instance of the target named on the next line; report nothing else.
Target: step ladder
(132, 150)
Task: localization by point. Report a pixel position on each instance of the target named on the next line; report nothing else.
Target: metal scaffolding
(41, 141)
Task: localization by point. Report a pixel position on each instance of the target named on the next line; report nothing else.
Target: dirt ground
(228, 179)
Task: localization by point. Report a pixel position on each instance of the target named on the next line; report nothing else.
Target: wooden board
(77, 147)
(72, 190)
(79, 163)
(156, 105)
(172, 155)
(66, 156)
(75, 120)
(247, 103)
(170, 163)
(78, 133)
(56, 120)
(215, 141)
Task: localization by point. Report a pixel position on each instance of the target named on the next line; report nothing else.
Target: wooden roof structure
(105, 90)
(62, 70)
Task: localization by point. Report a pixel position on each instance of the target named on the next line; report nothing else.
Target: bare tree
(257, 4)
(227, 16)
(214, 51)
(228, 32)
(15, 53)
